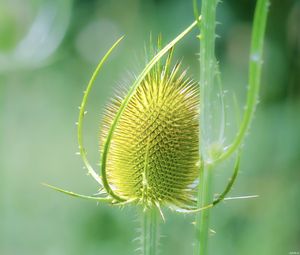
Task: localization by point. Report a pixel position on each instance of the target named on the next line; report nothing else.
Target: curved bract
(153, 154)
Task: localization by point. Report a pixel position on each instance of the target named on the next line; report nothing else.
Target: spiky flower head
(154, 150)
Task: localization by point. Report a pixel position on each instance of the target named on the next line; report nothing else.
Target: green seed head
(154, 150)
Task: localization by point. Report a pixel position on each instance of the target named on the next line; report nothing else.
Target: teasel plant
(156, 149)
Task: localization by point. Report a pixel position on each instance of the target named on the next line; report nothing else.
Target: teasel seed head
(154, 150)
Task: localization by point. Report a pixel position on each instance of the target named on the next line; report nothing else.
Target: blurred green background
(48, 50)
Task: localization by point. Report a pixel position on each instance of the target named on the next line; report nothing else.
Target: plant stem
(150, 232)
(207, 73)
(202, 219)
(207, 69)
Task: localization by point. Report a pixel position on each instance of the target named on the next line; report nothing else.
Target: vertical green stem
(202, 219)
(150, 232)
(207, 72)
(207, 69)
(207, 66)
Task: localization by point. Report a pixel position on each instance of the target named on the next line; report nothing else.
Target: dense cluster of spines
(154, 155)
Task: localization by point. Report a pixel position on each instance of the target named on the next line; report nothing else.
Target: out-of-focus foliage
(48, 50)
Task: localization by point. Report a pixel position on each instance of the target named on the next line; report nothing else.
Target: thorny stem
(207, 64)
(207, 72)
(202, 219)
(150, 231)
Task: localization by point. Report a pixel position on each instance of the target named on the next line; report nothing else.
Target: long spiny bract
(154, 149)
